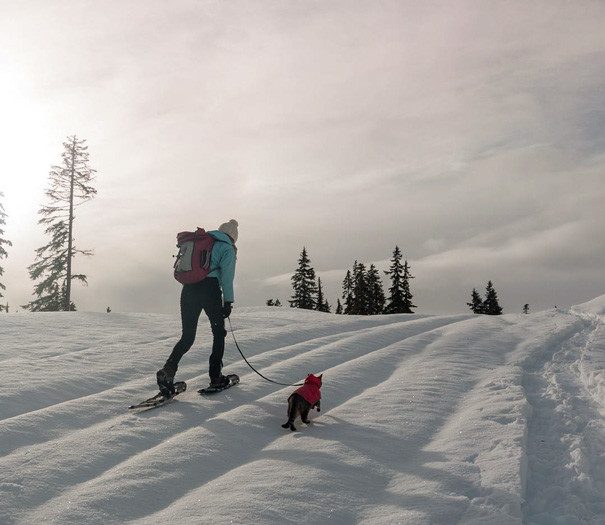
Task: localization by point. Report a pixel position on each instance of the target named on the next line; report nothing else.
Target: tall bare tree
(70, 186)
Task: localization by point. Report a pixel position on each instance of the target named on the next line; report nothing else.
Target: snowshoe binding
(165, 379)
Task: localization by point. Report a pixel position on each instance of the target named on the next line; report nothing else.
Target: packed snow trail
(425, 419)
(566, 442)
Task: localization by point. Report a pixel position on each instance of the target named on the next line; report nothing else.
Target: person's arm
(227, 274)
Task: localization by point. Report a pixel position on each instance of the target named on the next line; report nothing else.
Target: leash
(248, 363)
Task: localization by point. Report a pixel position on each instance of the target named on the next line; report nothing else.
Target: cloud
(536, 247)
(457, 131)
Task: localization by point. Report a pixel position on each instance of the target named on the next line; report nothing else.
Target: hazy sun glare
(26, 156)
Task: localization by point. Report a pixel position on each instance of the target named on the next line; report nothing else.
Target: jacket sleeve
(227, 273)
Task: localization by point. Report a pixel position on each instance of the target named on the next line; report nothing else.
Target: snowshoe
(160, 398)
(224, 383)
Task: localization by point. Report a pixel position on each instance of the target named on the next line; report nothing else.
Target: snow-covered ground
(425, 419)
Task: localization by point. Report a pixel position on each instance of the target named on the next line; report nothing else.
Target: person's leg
(213, 306)
(191, 308)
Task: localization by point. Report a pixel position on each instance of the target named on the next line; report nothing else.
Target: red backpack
(192, 263)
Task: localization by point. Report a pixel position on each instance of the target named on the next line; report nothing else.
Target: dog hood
(312, 380)
(310, 390)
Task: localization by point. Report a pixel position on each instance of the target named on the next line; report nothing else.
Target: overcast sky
(471, 134)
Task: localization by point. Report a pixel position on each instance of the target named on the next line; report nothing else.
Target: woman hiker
(214, 295)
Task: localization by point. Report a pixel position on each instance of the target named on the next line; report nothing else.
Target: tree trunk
(71, 227)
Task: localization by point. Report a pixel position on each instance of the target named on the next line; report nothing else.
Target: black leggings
(205, 295)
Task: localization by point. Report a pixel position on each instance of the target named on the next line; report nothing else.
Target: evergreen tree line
(70, 184)
(363, 293)
(362, 289)
(489, 305)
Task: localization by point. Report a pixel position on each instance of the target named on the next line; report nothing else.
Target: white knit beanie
(230, 228)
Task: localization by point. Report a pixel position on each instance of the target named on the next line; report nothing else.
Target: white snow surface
(594, 308)
(425, 419)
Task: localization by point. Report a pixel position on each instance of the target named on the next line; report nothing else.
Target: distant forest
(363, 292)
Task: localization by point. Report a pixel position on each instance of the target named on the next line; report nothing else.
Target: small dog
(302, 400)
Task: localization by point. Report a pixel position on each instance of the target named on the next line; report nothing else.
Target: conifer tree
(303, 283)
(476, 304)
(526, 308)
(319, 303)
(347, 293)
(322, 304)
(490, 305)
(273, 302)
(360, 290)
(400, 296)
(407, 294)
(376, 297)
(70, 186)
(338, 307)
(3, 252)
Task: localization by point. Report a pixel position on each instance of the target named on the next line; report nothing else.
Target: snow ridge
(425, 419)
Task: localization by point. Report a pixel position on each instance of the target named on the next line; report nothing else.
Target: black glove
(227, 310)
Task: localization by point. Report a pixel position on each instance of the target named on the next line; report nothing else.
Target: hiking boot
(220, 382)
(165, 379)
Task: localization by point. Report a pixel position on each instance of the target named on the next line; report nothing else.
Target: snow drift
(425, 419)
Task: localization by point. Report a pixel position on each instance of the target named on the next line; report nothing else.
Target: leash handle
(248, 363)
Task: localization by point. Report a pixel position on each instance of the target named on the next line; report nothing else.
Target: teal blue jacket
(222, 263)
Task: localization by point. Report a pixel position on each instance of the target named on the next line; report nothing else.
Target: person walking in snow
(214, 295)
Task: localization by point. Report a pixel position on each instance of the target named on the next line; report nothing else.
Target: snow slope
(425, 419)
